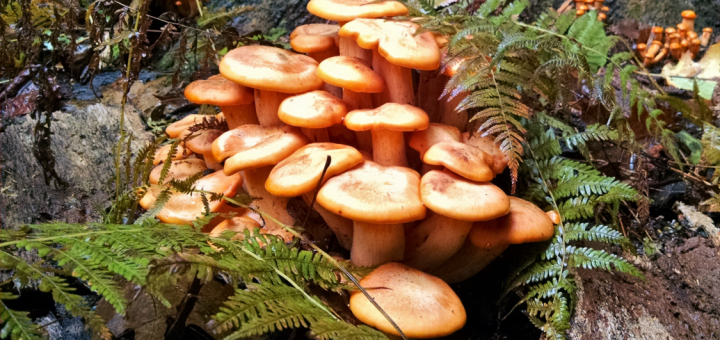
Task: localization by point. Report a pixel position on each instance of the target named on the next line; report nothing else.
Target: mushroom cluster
(340, 127)
(673, 41)
(584, 6)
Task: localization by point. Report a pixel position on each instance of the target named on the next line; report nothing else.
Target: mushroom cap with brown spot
(422, 140)
(488, 145)
(217, 90)
(453, 196)
(350, 73)
(162, 153)
(523, 224)
(422, 305)
(185, 208)
(314, 37)
(271, 69)
(253, 146)
(179, 170)
(373, 193)
(300, 173)
(202, 142)
(237, 224)
(390, 116)
(462, 159)
(396, 41)
(315, 110)
(346, 10)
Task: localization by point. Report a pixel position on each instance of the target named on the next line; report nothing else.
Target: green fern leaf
(17, 325)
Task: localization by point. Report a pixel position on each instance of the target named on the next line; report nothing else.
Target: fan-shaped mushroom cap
(373, 193)
(270, 69)
(237, 224)
(185, 208)
(422, 140)
(179, 170)
(316, 109)
(523, 224)
(217, 90)
(391, 116)
(462, 159)
(253, 146)
(346, 10)
(396, 41)
(422, 305)
(162, 152)
(300, 173)
(488, 145)
(350, 73)
(453, 196)
(314, 37)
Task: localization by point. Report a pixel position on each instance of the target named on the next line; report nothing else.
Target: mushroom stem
(425, 168)
(316, 135)
(349, 48)
(239, 115)
(360, 101)
(468, 261)
(375, 244)
(430, 89)
(389, 148)
(434, 241)
(319, 56)
(342, 226)
(272, 205)
(398, 82)
(449, 114)
(267, 104)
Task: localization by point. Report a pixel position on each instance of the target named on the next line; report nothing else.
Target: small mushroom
(202, 144)
(457, 203)
(657, 32)
(422, 305)
(179, 170)
(598, 4)
(689, 20)
(379, 200)
(274, 73)
(387, 123)
(705, 38)
(396, 51)
(313, 112)
(694, 47)
(641, 49)
(358, 82)
(462, 159)
(422, 140)
(319, 41)
(234, 100)
(487, 144)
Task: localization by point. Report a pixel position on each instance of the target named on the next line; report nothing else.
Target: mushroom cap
(217, 90)
(681, 27)
(300, 173)
(316, 109)
(185, 208)
(162, 152)
(657, 29)
(462, 159)
(688, 14)
(373, 193)
(350, 73)
(670, 30)
(346, 10)
(390, 116)
(453, 196)
(422, 305)
(179, 170)
(707, 29)
(421, 141)
(238, 224)
(487, 144)
(523, 224)
(202, 144)
(176, 129)
(253, 146)
(270, 69)
(314, 37)
(396, 41)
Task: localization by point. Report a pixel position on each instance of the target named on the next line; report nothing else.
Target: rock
(693, 219)
(82, 142)
(269, 14)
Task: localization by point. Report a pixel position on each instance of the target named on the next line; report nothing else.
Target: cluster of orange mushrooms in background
(346, 106)
(584, 6)
(673, 42)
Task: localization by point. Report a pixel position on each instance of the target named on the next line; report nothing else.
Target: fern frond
(597, 233)
(17, 325)
(326, 329)
(588, 258)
